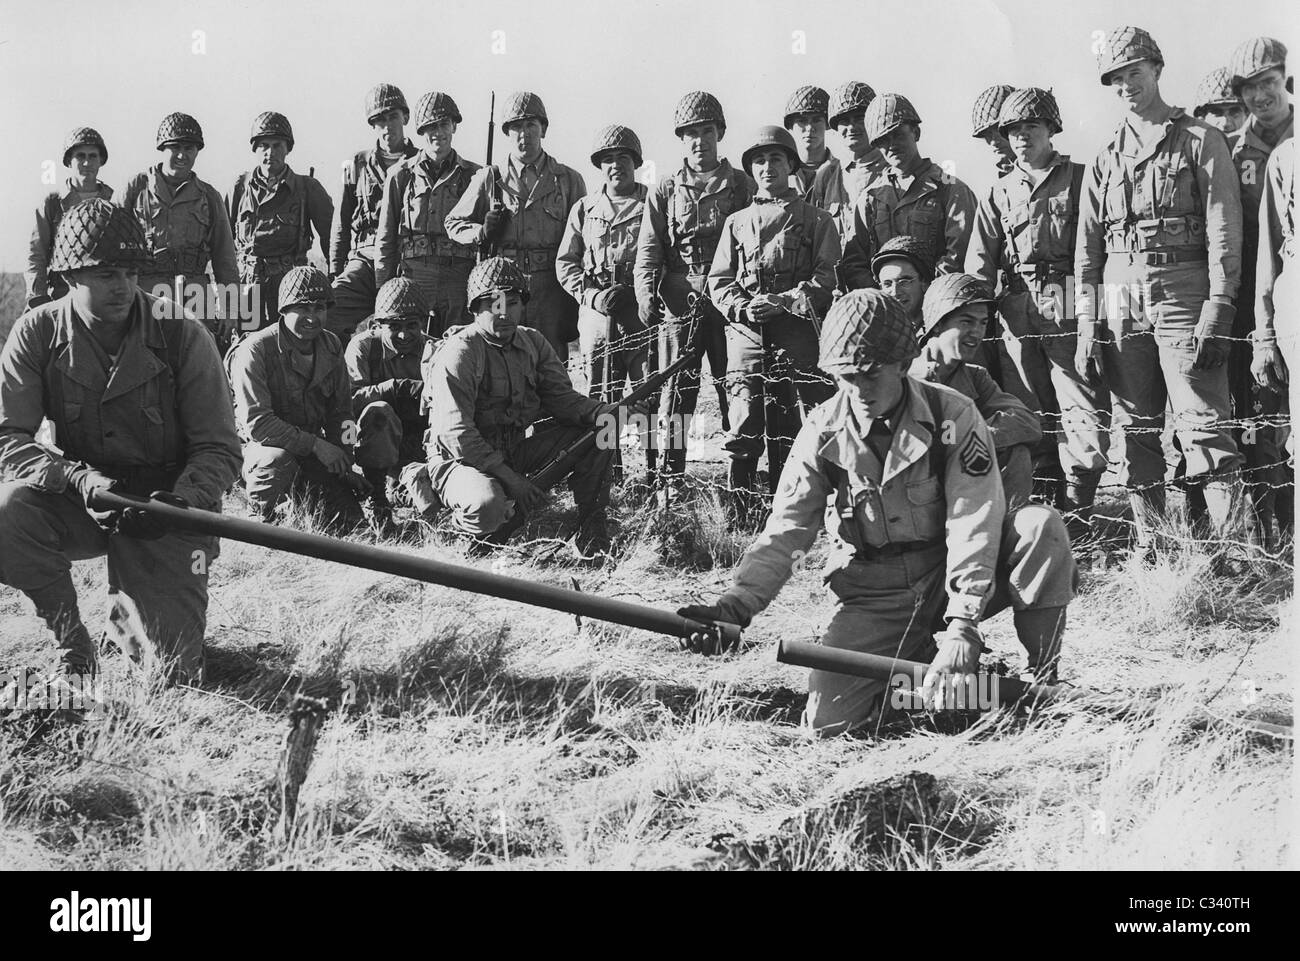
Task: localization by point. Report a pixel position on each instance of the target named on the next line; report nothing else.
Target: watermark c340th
(75, 914)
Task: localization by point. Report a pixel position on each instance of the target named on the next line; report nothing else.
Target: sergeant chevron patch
(975, 457)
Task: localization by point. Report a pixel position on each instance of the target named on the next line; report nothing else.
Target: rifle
(488, 248)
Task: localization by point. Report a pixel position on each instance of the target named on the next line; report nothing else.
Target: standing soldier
(418, 195)
(1277, 308)
(595, 265)
(806, 120)
(520, 213)
(1160, 227)
(836, 187)
(1258, 75)
(84, 147)
(984, 124)
(684, 215)
(924, 540)
(1025, 236)
(293, 406)
(352, 257)
(1217, 105)
(914, 196)
(186, 226)
(272, 213)
(773, 276)
(388, 397)
(139, 406)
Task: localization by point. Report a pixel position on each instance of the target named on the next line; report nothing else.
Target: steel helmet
(179, 128)
(846, 98)
(1030, 103)
(99, 233)
(84, 137)
(434, 107)
(1254, 57)
(906, 247)
(495, 274)
(400, 299)
(771, 136)
(305, 285)
(807, 99)
(271, 124)
(984, 113)
(887, 113)
(864, 328)
(382, 98)
(616, 137)
(698, 107)
(949, 292)
(522, 105)
(1123, 47)
(1215, 90)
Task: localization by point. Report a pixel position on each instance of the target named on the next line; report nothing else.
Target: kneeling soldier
(387, 395)
(907, 468)
(139, 406)
(487, 384)
(293, 406)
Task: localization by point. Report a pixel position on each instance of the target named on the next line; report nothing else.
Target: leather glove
(710, 643)
(494, 222)
(1210, 338)
(1268, 367)
(144, 526)
(614, 300)
(85, 480)
(959, 653)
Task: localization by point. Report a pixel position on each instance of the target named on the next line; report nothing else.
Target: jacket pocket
(928, 508)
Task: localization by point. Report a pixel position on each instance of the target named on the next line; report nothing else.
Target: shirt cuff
(968, 606)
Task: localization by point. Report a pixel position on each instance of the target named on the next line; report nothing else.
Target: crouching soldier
(387, 396)
(489, 382)
(293, 406)
(906, 468)
(139, 406)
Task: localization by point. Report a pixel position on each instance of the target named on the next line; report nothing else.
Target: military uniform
(353, 248)
(42, 288)
(286, 400)
(1276, 301)
(837, 187)
(155, 417)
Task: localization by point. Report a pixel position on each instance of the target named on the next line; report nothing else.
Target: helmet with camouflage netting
(493, 275)
(887, 113)
(616, 137)
(382, 98)
(807, 100)
(1030, 103)
(909, 248)
(434, 107)
(523, 105)
(1124, 47)
(864, 328)
(987, 106)
(305, 285)
(949, 292)
(698, 106)
(100, 233)
(1215, 90)
(269, 124)
(846, 98)
(1254, 57)
(179, 128)
(400, 299)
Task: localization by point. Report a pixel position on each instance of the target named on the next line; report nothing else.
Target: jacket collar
(720, 178)
(1247, 136)
(845, 445)
(325, 350)
(138, 361)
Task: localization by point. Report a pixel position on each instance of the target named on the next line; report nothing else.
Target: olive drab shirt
(925, 202)
(370, 362)
(776, 245)
(187, 228)
(41, 248)
(276, 227)
(836, 188)
(803, 179)
(1008, 419)
(1250, 153)
(536, 223)
(286, 398)
(683, 222)
(1175, 197)
(1025, 233)
(599, 245)
(482, 395)
(164, 405)
(1277, 243)
(938, 484)
(418, 196)
(357, 224)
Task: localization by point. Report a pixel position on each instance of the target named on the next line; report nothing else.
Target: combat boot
(56, 605)
(1078, 497)
(1040, 631)
(381, 508)
(592, 541)
(740, 492)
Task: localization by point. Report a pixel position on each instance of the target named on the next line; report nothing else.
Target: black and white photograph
(695, 435)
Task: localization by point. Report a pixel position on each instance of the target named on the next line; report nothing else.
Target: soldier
(1276, 302)
(520, 212)
(139, 406)
(923, 537)
(86, 147)
(185, 223)
(1160, 226)
(913, 197)
(272, 213)
(837, 187)
(384, 363)
(1216, 104)
(903, 269)
(984, 124)
(955, 315)
(487, 384)
(773, 275)
(683, 221)
(418, 195)
(1257, 70)
(1025, 237)
(293, 406)
(806, 120)
(352, 257)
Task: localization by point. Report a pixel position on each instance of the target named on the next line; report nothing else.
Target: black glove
(494, 222)
(407, 389)
(85, 480)
(614, 300)
(712, 642)
(145, 526)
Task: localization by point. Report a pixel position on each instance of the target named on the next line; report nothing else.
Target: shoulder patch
(975, 457)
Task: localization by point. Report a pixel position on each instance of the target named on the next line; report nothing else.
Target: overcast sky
(121, 66)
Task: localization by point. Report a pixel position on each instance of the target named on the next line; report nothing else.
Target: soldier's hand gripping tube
(416, 568)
